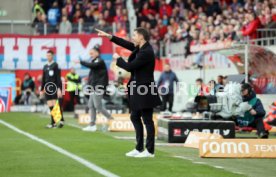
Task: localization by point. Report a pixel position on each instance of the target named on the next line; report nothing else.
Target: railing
(27, 27)
(44, 28)
(15, 26)
(266, 33)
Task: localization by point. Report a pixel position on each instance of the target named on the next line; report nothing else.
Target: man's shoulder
(148, 50)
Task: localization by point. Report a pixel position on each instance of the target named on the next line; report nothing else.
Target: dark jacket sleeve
(124, 43)
(259, 109)
(140, 60)
(92, 65)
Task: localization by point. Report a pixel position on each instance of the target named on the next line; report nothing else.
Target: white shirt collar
(50, 63)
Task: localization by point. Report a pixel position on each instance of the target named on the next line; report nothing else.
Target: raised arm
(92, 65)
(119, 41)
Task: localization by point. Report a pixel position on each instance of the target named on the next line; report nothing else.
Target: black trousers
(167, 99)
(258, 124)
(146, 115)
(71, 104)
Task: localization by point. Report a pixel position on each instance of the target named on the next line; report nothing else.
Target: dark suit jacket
(98, 72)
(141, 64)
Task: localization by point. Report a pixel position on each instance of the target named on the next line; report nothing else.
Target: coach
(142, 92)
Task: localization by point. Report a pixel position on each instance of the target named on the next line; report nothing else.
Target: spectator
(110, 9)
(53, 14)
(27, 91)
(162, 29)
(165, 9)
(37, 18)
(119, 18)
(212, 87)
(38, 7)
(250, 29)
(219, 85)
(212, 8)
(154, 6)
(254, 116)
(65, 26)
(167, 80)
(107, 17)
(28, 83)
(77, 16)
(69, 8)
(88, 18)
(202, 88)
(235, 5)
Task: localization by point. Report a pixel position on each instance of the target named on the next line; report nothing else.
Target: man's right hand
(103, 34)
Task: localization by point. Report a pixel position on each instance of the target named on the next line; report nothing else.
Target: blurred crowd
(65, 16)
(204, 21)
(193, 21)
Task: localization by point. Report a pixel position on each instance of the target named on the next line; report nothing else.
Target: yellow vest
(71, 86)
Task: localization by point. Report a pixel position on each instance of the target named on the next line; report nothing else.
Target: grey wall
(17, 10)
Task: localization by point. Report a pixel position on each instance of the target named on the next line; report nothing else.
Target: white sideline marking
(220, 167)
(199, 162)
(73, 125)
(62, 151)
(204, 163)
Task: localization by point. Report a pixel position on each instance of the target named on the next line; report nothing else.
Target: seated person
(27, 84)
(254, 116)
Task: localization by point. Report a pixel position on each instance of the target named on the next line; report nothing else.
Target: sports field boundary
(60, 150)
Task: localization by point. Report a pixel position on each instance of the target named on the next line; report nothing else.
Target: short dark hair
(199, 80)
(143, 32)
(51, 52)
(97, 48)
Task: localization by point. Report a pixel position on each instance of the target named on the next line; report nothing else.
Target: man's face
(167, 68)
(64, 18)
(49, 57)
(93, 54)
(198, 83)
(136, 38)
(244, 92)
(219, 79)
(73, 70)
(26, 77)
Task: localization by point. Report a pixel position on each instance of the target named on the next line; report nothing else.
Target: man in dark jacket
(254, 116)
(142, 91)
(167, 80)
(98, 79)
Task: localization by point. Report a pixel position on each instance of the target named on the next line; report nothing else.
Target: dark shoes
(264, 135)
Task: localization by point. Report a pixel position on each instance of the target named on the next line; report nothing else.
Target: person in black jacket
(253, 117)
(98, 79)
(142, 91)
(52, 86)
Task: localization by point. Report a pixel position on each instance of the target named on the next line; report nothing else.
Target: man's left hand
(116, 56)
(59, 93)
